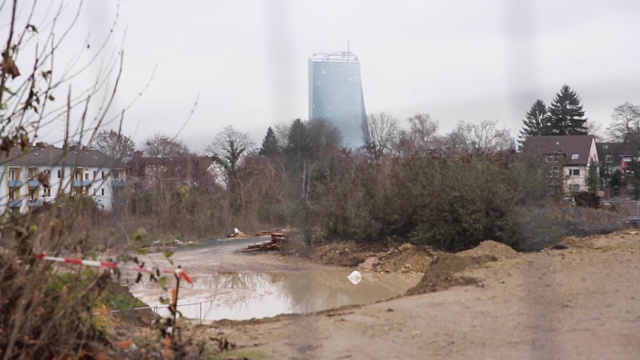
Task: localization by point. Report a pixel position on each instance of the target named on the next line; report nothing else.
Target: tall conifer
(536, 121)
(270, 146)
(566, 116)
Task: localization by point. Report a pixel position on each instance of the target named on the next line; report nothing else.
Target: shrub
(587, 199)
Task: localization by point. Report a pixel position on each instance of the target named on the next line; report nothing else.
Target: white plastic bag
(355, 277)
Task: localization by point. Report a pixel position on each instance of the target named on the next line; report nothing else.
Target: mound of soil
(346, 253)
(491, 248)
(441, 274)
(407, 258)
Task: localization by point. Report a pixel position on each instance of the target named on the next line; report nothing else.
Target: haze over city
(245, 63)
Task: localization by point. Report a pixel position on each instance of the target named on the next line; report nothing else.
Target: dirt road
(578, 303)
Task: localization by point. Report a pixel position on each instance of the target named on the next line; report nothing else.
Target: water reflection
(240, 296)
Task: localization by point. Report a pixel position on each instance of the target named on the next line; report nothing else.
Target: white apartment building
(74, 171)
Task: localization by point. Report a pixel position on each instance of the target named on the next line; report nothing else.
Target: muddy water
(246, 295)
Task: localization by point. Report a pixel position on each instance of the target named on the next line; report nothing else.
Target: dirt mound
(491, 248)
(407, 258)
(440, 275)
(346, 253)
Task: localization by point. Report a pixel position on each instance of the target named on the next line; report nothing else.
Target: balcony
(15, 183)
(15, 203)
(82, 183)
(35, 202)
(33, 183)
(119, 183)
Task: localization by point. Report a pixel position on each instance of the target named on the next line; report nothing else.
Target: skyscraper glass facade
(335, 94)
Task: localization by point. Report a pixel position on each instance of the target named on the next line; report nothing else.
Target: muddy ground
(487, 303)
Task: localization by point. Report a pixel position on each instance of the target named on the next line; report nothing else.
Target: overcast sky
(245, 61)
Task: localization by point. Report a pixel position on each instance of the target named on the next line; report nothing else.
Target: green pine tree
(270, 146)
(593, 183)
(566, 116)
(536, 121)
(298, 149)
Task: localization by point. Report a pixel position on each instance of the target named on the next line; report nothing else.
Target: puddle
(242, 296)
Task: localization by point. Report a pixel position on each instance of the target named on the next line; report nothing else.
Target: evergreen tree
(536, 122)
(593, 183)
(270, 146)
(566, 116)
(298, 142)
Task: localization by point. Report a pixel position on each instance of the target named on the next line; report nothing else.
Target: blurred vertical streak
(98, 18)
(282, 70)
(541, 295)
(282, 65)
(521, 58)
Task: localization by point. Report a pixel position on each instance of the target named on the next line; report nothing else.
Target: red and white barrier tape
(112, 265)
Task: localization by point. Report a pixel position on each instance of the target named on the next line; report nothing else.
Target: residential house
(72, 171)
(568, 156)
(169, 173)
(615, 158)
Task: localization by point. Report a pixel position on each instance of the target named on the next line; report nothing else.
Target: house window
(95, 174)
(14, 194)
(32, 173)
(102, 174)
(33, 194)
(575, 156)
(116, 175)
(86, 176)
(609, 158)
(102, 190)
(574, 172)
(59, 174)
(46, 192)
(552, 158)
(574, 187)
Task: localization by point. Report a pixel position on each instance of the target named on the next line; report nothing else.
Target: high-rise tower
(335, 94)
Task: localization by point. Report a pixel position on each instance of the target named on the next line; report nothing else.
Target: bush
(587, 199)
(461, 202)
(538, 227)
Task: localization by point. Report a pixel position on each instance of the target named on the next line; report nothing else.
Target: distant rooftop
(345, 56)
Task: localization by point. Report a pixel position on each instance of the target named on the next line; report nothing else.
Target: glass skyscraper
(335, 94)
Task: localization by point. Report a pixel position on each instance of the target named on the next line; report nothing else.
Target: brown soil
(407, 258)
(576, 303)
(441, 273)
(346, 253)
(491, 248)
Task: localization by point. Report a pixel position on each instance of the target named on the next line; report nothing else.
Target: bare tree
(282, 133)
(422, 134)
(383, 133)
(228, 149)
(488, 138)
(35, 92)
(625, 122)
(114, 144)
(595, 128)
(484, 137)
(164, 147)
